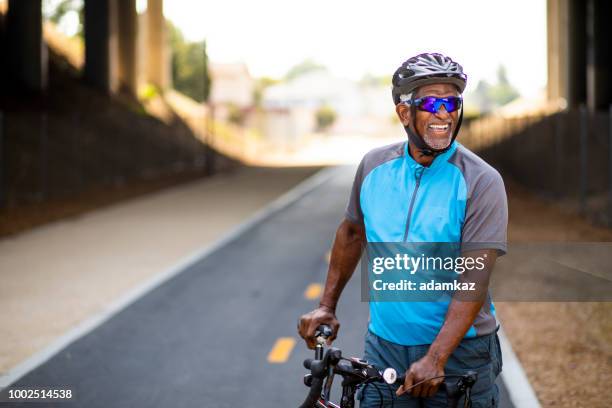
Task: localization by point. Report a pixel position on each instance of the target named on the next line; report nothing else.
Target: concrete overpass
(579, 60)
(115, 57)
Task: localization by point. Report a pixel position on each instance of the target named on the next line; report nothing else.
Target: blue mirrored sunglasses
(432, 104)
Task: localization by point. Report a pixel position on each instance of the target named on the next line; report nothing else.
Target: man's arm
(345, 254)
(461, 313)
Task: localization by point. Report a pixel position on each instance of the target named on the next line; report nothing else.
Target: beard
(437, 142)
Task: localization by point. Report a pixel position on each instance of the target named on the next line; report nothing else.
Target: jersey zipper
(419, 173)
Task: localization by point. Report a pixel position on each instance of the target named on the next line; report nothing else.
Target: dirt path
(565, 348)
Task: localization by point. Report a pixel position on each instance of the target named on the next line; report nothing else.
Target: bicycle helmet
(424, 69)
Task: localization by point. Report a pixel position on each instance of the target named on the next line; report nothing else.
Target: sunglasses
(432, 104)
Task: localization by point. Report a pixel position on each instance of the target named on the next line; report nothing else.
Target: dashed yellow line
(313, 291)
(281, 350)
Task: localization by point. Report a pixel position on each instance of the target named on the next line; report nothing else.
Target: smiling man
(429, 189)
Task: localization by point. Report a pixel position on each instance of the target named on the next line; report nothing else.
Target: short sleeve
(353, 210)
(486, 218)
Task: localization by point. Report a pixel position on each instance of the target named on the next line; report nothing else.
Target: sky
(356, 37)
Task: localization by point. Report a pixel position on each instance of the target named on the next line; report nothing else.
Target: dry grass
(565, 348)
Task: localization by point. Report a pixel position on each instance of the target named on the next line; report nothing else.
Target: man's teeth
(438, 127)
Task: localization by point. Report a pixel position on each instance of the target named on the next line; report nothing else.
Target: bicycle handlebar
(316, 386)
(315, 379)
(360, 371)
(454, 389)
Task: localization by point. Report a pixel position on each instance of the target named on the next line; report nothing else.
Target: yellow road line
(328, 256)
(281, 350)
(313, 291)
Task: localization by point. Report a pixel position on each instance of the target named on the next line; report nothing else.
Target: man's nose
(442, 112)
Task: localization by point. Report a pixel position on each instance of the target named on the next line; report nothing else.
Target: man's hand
(309, 322)
(425, 368)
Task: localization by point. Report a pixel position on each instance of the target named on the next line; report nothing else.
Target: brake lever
(328, 385)
(332, 358)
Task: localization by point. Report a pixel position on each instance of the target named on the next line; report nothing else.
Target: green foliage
(260, 86)
(190, 73)
(236, 115)
(57, 11)
(326, 116)
(148, 92)
(487, 97)
(503, 92)
(302, 68)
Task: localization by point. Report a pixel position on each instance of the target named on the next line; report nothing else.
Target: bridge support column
(566, 21)
(101, 46)
(599, 66)
(158, 70)
(28, 56)
(558, 40)
(128, 40)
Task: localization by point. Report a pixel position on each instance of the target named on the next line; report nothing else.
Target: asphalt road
(202, 338)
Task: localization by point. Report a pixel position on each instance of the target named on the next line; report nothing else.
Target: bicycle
(357, 372)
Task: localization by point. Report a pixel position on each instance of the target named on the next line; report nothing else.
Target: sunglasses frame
(437, 103)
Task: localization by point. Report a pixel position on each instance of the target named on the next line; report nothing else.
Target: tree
(58, 11)
(487, 97)
(503, 92)
(190, 73)
(326, 116)
(302, 68)
(260, 86)
(236, 115)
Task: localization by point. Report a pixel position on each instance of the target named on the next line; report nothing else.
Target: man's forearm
(345, 254)
(463, 309)
(459, 318)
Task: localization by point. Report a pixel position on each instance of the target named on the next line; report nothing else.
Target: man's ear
(403, 112)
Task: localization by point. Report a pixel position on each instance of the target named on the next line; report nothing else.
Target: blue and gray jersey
(459, 198)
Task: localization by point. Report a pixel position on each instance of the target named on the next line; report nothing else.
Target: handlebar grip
(454, 389)
(402, 378)
(323, 331)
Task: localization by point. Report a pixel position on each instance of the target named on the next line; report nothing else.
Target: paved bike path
(202, 337)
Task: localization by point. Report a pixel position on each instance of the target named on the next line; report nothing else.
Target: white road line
(514, 377)
(131, 296)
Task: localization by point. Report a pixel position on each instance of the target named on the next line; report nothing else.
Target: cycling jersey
(458, 198)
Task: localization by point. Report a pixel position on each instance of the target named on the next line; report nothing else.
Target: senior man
(428, 189)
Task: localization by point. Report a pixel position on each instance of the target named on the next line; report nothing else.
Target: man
(428, 189)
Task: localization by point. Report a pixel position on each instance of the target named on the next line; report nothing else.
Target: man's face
(436, 129)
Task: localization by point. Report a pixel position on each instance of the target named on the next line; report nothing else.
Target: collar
(438, 161)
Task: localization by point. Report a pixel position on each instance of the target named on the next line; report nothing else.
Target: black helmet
(423, 69)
